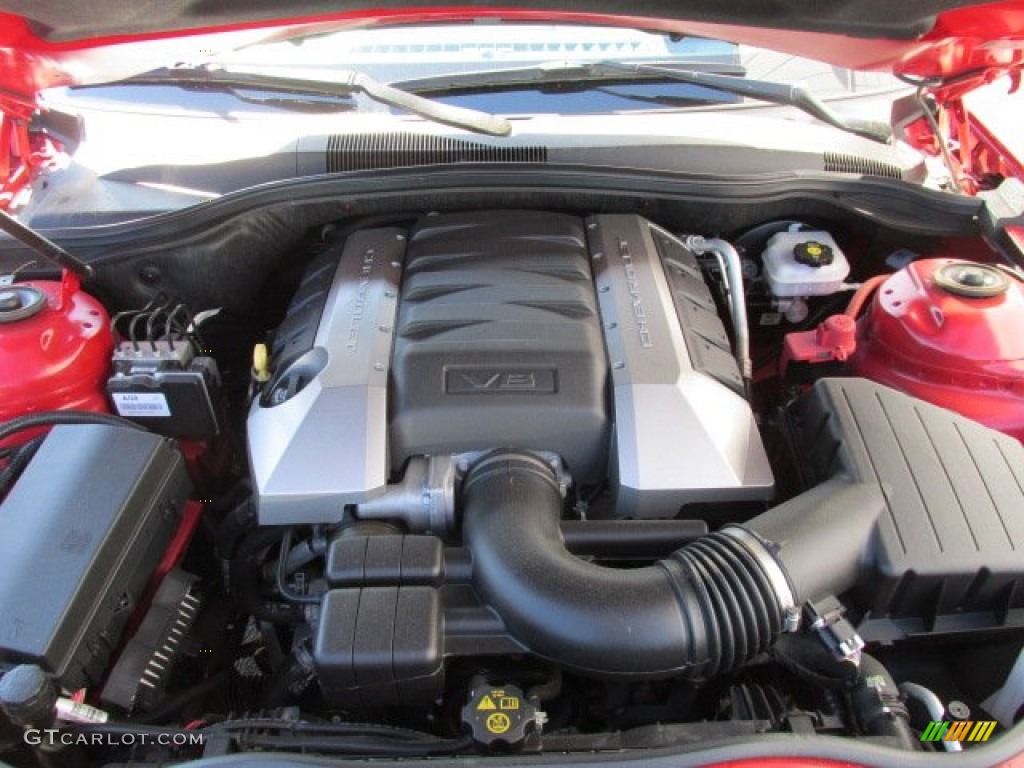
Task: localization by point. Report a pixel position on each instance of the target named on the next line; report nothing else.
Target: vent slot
(364, 152)
(836, 162)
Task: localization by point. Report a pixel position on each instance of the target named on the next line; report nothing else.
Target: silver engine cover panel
(681, 434)
(326, 446)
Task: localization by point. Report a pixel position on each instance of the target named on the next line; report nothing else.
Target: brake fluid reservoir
(801, 264)
(55, 348)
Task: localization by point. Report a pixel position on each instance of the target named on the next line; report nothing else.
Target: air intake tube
(704, 610)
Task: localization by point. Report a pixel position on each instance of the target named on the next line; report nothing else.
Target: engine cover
(498, 342)
(318, 433)
(683, 433)
(593, 339)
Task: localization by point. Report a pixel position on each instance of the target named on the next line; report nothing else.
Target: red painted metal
(966, 354)
(190, 515)
(22, 154)
(58, 359)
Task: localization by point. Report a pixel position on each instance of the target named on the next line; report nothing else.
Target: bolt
(959, 710)
(150, 275)
(9, 301)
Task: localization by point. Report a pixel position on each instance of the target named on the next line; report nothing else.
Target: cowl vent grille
(363, 152)
(836, 162)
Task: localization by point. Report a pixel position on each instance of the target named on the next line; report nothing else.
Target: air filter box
(945, 554)
(80, 535)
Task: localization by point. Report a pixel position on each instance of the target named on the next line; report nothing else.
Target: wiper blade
(330, 82)
(715, 76)
(553, 72)
(764, 90)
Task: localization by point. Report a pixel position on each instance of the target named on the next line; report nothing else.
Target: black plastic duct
(705, 609)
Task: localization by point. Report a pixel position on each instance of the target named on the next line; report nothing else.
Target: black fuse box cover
(80, 534)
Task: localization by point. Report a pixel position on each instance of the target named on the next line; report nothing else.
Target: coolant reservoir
(55, 348)
(952, 333)
(802, 264)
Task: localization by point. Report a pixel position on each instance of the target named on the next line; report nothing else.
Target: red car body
(961, 49)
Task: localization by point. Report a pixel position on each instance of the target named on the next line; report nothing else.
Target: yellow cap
(260, 363)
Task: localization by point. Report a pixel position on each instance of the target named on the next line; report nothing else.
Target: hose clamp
(773, 571)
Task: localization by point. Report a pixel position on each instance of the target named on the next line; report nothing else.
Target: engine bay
(483, 482)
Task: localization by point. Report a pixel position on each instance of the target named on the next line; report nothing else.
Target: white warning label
(140, 405)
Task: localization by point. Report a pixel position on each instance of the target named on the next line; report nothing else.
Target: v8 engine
(515, 483)
(595, 342)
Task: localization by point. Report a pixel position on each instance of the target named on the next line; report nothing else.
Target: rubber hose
(880, 706)
(706, 609)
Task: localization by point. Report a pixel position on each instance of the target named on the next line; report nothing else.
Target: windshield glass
(214, 121)
(444, 61)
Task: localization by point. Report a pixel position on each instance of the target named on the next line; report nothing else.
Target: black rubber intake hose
(705, 609)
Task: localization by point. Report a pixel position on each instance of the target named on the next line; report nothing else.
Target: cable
(155, 316)
(18, 461)
(943, 145)
(171, 704)
(282, 574)
(863, 294)
(54, 418)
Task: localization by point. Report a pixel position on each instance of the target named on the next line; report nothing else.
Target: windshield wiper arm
(727, 78)
(552, 72)
(764, 90)
(332, 82)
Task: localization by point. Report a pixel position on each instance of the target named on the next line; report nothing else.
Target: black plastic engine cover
(499, 342)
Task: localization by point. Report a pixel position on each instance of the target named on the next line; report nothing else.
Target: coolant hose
(705, 609)
(879, 705)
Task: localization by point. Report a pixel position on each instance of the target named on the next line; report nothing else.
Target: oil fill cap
(20, 302)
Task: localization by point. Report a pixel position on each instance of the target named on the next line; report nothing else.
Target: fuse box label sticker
(134, 405)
